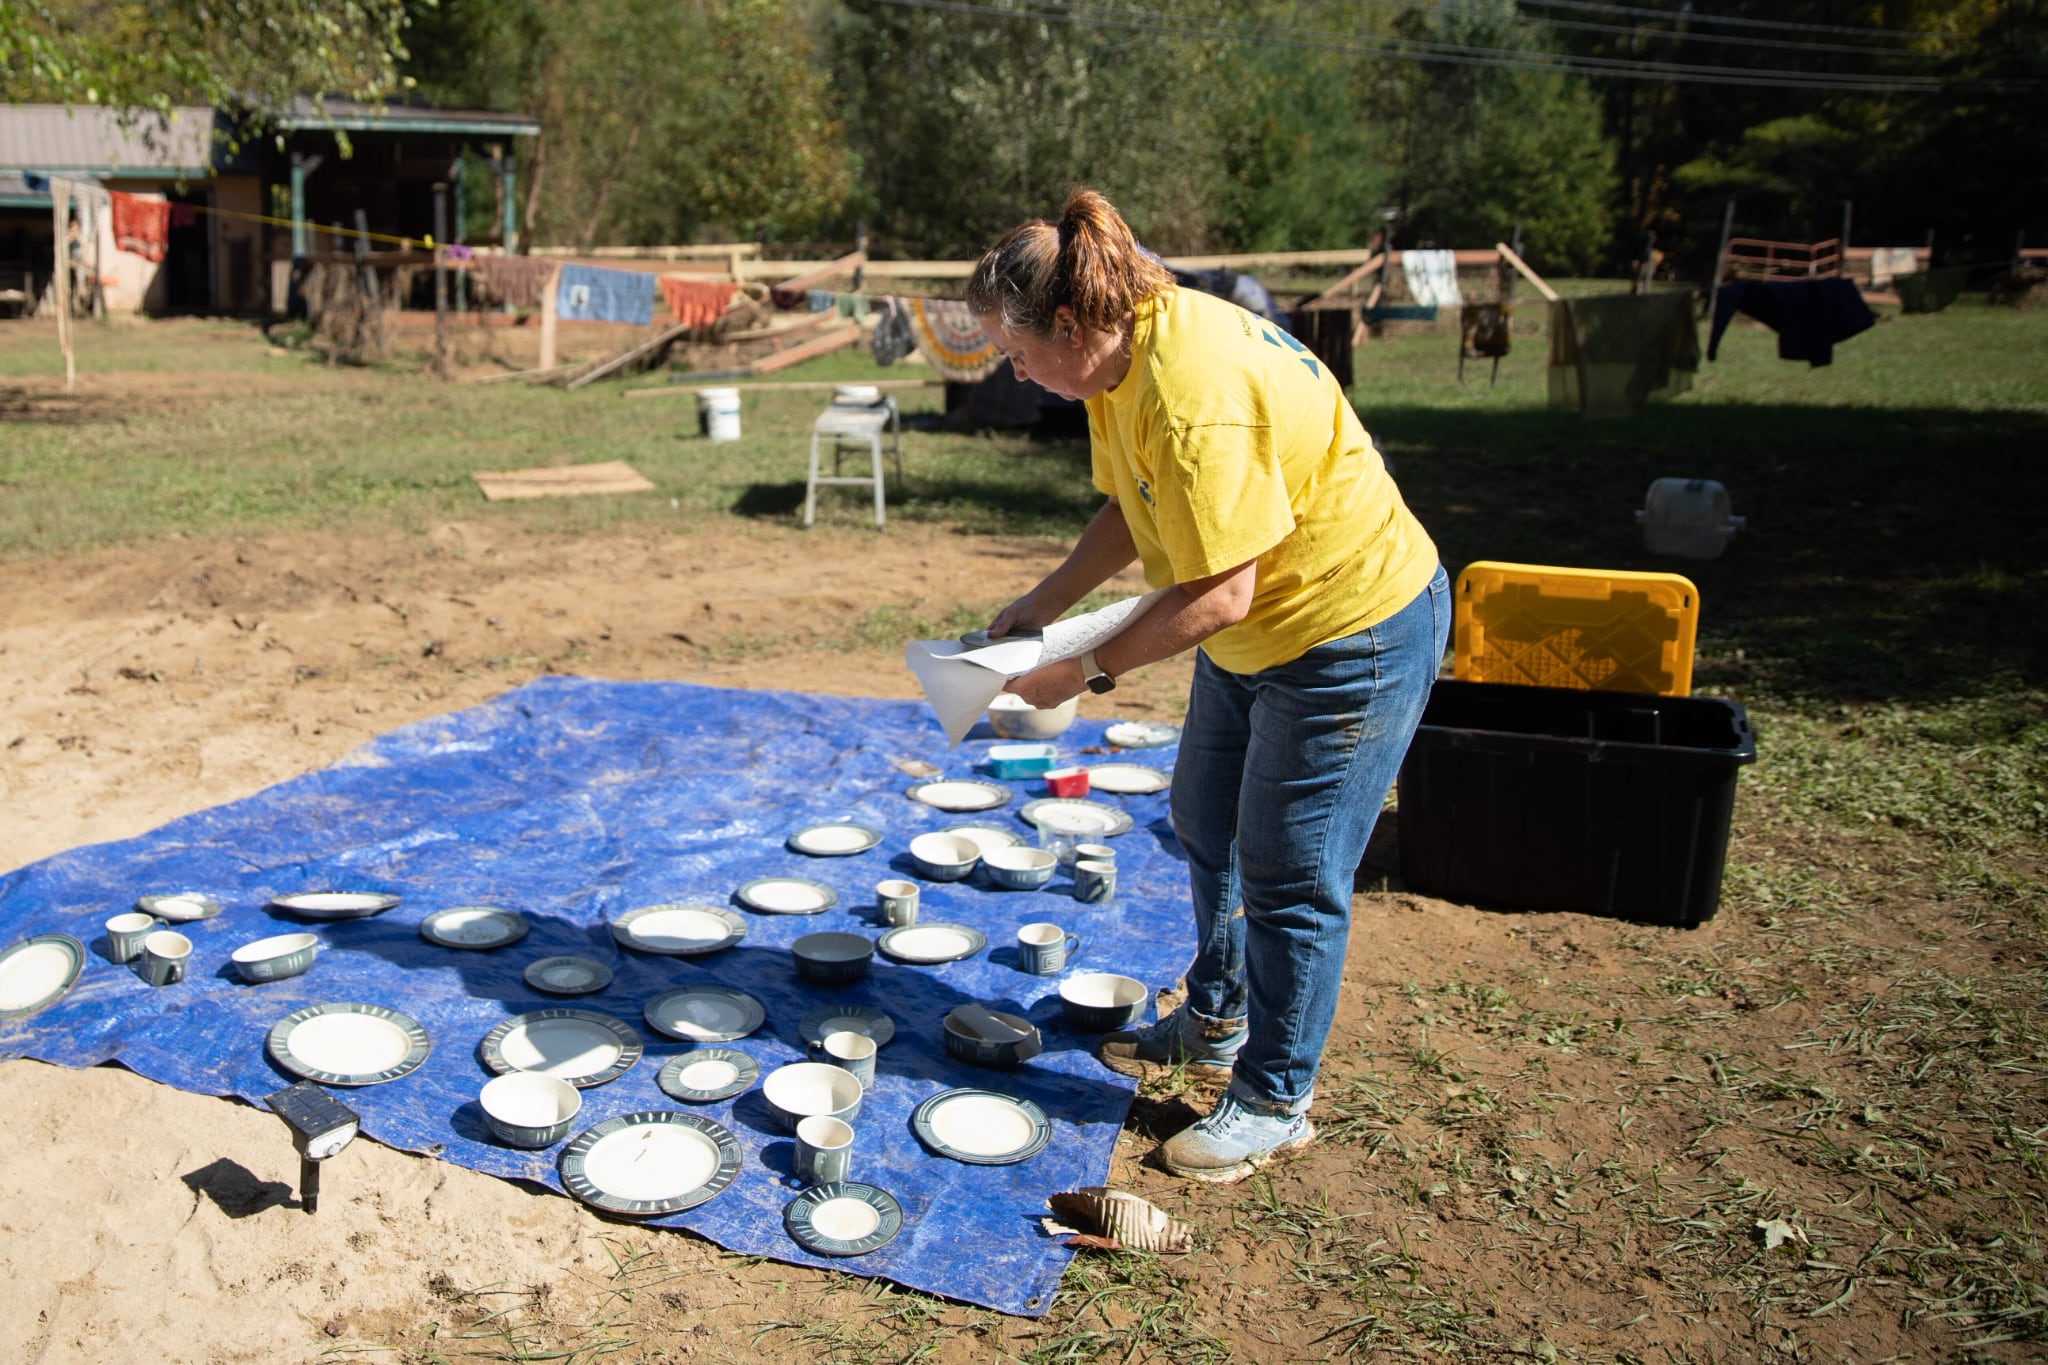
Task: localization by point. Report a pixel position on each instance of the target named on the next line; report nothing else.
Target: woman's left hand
(1049, 685)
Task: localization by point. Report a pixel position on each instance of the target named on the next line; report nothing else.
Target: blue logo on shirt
(1145, 492)
(1283, 339)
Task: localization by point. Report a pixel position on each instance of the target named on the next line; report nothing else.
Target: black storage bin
(1616, 803)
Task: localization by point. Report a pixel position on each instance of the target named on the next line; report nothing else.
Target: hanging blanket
(952, 340)
(1612, 353)
(590, 293)
(514, 281)
(142, 224)
(694, 302)
(1432, 278)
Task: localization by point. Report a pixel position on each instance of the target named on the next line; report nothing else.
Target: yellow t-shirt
(1229, 441)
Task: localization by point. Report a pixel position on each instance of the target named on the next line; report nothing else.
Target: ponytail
(1089, 262)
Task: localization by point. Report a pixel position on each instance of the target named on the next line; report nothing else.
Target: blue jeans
(1279, 781)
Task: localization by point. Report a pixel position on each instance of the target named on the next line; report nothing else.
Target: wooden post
(860, 246)
(547, 318)
(1848, 216)
(60, 285)
(1721, 253)
(366, 281)
(1542, 286)
(441, 280)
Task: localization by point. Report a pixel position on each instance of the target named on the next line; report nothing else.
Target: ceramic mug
(1043, 948)
(897, 900)
(1094, 882)
(164, 954)
(126, 932)
(1095, 853)
(824, 1149)
(849, 1051)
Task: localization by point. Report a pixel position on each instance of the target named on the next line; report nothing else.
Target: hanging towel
(854, 306)
(1930, 291)
(1809, 316)
(1432, 278)
(694, 302)
(952, 340)
(818, 300)
(1887, 262)
(789, 300)
(514, 281)
(892, 339)
(590, 293)
(142, 224)
(1612, 353)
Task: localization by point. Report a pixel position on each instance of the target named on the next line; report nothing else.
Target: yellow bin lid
(1601, 629)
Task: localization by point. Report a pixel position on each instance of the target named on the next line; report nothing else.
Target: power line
(1721, 39)
(1692, 16)
(1458, 54)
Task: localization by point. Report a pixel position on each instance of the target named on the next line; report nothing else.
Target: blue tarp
(573, 801)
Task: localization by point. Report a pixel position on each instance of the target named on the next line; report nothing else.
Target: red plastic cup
(1067, 781)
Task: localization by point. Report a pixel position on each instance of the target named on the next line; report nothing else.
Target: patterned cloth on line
(952, 340)
(892, 339)
(514, 281)
(694, 302)
(590, 293)
(1432, 277)
(142, 225)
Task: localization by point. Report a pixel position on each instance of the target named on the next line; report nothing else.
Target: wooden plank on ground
(631, 353)
(809, 350)
(565, 481)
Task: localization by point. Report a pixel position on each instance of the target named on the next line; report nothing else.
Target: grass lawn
(1875, 617)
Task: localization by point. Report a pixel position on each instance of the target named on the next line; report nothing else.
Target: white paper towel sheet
(960, 682)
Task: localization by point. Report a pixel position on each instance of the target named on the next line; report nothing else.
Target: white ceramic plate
(959, 793)
(478, 928)
(1141, 734)
(932, 943)
(581, 1047)
(1128, 779)
(37, 971)
(837, 840)
(985, 837)
(678, 929)
(650, 1163)
(568, 975)
(1087, 817)
(334, 904)
(178, 906)
(787, 896)
(706, 1075)
(704, 1014)
(981, 1127)
(875, 1023)
(843, 1219)
(348, 1044)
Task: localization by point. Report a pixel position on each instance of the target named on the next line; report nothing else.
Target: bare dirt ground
(1543, 1136)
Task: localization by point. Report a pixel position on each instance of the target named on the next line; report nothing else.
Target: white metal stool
(852, 427)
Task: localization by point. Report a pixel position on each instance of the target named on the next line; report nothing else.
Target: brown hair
(1088, 261)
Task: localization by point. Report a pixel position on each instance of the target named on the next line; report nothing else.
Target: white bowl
(529, 1108)
(943, 857)
(1099, 1001)
(1012, 718)
(804, 1090)
(1020, 867)
(276, 957)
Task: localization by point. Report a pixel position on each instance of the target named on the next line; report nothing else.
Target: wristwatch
(1098, 681)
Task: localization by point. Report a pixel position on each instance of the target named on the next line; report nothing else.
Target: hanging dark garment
(1809, 316)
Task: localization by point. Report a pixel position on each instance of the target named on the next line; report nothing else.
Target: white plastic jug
(718, 413)
(1687, 518)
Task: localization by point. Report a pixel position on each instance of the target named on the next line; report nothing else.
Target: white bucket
(857, 395)
(1687, 518)
(718, 413)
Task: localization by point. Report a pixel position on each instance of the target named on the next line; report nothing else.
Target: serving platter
(704, 1014)
(875, 1023)
(178, 907)
(959, 793)
(582, 1047)
(346, 1043)
(1089, 817)
(334, 904)
(650, 1162)
(981, 1127)
(1141, 734)
(36, 972)
(679, 929)
(787, 896)
(1128, 779)
(567, 975)
(478, 928)
(706, 1075)
(838, 839)
(985, 837)
(928, 944)
(846, 1218)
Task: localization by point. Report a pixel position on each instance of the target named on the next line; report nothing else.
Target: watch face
(327, 1144)
(1101, 683)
